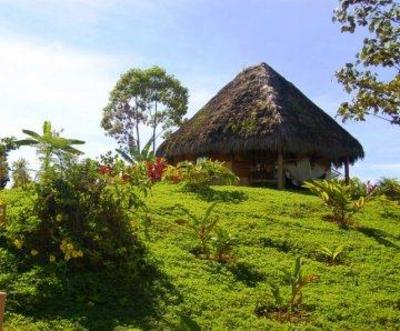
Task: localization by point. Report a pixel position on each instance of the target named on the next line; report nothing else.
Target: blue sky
(59, 59)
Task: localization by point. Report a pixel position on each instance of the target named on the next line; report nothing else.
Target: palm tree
(50, 143)
(20, 173)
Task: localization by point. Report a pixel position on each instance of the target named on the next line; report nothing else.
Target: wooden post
(347, 171)
(2, 306)
(281, 177)
(2, 214)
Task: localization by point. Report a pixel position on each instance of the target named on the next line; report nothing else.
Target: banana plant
(201, 226)
(223, 243)
(297, 282)
(50, 143)
(338, 198)
(136, 155)
(332, 256)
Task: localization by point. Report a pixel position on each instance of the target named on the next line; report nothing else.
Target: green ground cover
(272, 228)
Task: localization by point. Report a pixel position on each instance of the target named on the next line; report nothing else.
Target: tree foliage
(50, 144)
(148, 97)
(6, 145)
(20, 173)
(373, 79)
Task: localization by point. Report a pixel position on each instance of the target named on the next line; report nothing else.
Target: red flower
(155, 169)
(125, 178)
(103, 169)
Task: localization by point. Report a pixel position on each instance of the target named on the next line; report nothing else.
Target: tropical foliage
(50, 144)
(286, 309)
(200, 175)
(332, 256)
(389, 187)
(148, 97)
(374, 91)
(338, 197)
(202, 226)
(20, 173)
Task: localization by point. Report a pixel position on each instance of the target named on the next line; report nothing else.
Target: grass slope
(272, 228)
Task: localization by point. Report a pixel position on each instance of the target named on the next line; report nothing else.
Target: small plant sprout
(201, 226)
(332, 256)
(223, 243)
(284, 307)
(297, 282)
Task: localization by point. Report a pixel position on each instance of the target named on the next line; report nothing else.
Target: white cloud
(386, 166)
(53, 82)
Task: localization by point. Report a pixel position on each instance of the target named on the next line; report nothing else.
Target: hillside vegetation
(270, 230)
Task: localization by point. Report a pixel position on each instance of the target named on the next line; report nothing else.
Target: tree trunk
(2, 306)
(347, 171)
(281, 178)
(137, 125)
(154, 127)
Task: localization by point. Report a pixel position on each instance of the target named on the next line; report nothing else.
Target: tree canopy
(373, 78)
(149, 97)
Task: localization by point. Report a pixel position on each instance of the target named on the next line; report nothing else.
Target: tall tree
(125, 110)
(6, 145)
(144, 97)
(373, 78)
(20, 173)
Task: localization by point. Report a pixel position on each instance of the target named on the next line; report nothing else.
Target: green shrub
(79, 217)
(338, 197)
(389, 187)
(200, 175)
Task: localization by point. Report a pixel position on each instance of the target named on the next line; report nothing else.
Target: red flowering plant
(156, 168)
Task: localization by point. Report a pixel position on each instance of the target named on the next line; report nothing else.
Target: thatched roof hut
(260, 113)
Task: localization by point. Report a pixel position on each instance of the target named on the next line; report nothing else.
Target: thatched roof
(260, 111)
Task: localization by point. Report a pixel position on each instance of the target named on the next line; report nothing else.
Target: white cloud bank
(52, 82)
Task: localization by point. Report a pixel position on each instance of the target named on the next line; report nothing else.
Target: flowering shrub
(200, 175)
(155, 169)
(80, 217)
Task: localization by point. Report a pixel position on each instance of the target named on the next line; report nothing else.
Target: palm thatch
(261, 112)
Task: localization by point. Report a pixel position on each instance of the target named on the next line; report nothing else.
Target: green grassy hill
(272, 229)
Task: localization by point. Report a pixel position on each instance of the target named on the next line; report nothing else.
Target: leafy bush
(80, 217)
(360, 189)
(200, 175)
(338, 197)
(390, 187)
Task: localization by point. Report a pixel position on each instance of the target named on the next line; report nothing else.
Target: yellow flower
(34, 252)
(18, 243)
(67, 257)
(52, 258)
